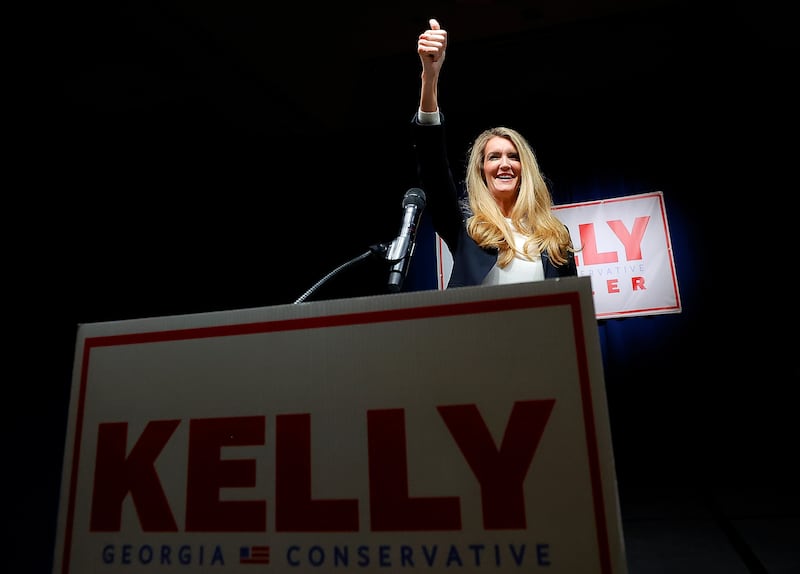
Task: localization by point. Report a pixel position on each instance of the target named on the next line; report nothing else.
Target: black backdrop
(190, 158)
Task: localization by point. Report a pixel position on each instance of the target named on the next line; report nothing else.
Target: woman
(505, 231)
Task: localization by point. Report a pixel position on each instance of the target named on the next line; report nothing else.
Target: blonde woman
(504, 231)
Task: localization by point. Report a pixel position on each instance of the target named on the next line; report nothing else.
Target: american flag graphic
(254, 555)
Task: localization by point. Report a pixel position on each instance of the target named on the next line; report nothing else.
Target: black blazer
(471, 263)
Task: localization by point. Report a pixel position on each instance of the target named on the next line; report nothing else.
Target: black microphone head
(414, 196)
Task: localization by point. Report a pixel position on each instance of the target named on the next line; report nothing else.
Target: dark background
(186, 157)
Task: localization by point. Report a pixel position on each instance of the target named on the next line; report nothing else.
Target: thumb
(433, 24)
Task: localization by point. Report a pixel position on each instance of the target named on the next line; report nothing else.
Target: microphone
(402, 248)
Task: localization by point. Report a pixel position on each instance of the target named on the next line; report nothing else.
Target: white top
(519, 270)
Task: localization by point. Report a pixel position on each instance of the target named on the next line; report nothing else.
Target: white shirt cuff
(428, 118)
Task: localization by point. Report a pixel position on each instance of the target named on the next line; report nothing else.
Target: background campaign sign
(625, 249)
(379, 434)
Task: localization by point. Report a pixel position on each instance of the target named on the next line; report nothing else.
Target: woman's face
(501, 170)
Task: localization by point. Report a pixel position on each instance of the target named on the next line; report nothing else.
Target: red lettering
(115, 476)
(612, 285)
(589, 244)
(391, 507)
(208, 473)
(637, 283)
(501, 473)
(631, 241)
(295, 510)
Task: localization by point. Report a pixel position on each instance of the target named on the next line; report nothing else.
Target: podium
(434, 431)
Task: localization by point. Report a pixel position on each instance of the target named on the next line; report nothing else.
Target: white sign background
(336, 361)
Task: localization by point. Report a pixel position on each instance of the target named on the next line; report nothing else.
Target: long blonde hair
(531, 215)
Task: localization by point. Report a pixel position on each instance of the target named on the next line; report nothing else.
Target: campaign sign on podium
(460, 430)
